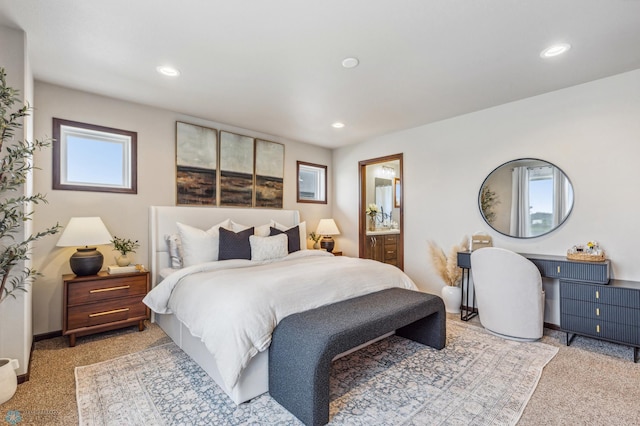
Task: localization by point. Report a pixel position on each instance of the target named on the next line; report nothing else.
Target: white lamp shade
(84, 231)
(327, 227)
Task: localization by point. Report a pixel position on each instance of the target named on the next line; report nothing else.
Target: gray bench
(304, 344)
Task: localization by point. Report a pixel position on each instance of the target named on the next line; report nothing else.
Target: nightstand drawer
(99, 290)
(106, 312)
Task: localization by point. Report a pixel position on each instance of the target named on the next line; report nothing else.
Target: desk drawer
(600, 311)
(578, 271)
(98, 290)
(105, 312)
(600, 294)
(601, 329)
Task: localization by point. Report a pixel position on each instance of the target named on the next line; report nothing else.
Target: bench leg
(430, 331)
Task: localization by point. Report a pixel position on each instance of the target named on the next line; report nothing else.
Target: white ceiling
(274, 66)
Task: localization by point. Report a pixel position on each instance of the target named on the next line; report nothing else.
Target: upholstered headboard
(162, 222)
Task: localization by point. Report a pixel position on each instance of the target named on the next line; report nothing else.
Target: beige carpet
(588, 383)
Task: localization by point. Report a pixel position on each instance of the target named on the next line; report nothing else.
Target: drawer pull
(115, 311)
(101, 290)
(598, 311)
(558, 268)
(597, 294)
(597, 328)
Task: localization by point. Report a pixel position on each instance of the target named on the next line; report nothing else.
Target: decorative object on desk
(590, 252)
(114, 269)
(480, 240)
(372, 212)
(124, 246)
(316, 240)
(327, 228)
(85, 231)
(488, 200)
(451, 274)
(16, 169)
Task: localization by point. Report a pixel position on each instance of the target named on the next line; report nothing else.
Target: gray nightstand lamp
(85, 231)
(327, 228)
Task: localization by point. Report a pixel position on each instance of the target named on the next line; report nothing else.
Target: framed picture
(196, 164)
(236, 170)
(269, 176)
(397, 192)
(311, 183)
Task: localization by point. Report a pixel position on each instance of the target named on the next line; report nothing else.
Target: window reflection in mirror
(526, 198)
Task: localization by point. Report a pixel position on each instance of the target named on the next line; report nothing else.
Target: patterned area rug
(478, 379)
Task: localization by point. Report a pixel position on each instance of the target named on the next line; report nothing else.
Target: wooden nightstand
(102, 302)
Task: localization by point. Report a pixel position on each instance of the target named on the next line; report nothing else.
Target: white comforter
(233, 306)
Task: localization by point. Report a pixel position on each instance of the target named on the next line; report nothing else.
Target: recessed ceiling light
(337, 125)
(168, 71)
(555, 50)
(350, 62)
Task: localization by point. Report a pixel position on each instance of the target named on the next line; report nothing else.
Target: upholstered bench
(304, 344)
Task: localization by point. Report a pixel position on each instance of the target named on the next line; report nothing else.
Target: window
(87, 157)
(312, 183)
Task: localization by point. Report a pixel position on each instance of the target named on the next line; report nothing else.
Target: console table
(591, 304)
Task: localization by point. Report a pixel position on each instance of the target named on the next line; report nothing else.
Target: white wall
(126, 215)
(590, 131)
(15, 314)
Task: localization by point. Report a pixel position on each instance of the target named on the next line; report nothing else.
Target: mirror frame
(564, 219)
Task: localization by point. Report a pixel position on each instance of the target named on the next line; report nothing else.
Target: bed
(179, 289)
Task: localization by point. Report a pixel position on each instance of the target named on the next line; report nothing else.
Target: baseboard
(552, 326)
(36, 338)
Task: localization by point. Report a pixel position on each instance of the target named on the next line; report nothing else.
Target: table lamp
(85, 231)
(327, 228)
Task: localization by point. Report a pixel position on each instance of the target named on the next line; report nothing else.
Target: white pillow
(238, 227)
(303, 231)
(175, 250)
(200, 246)
(268, 248)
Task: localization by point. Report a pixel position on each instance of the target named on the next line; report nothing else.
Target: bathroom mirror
(526, 198)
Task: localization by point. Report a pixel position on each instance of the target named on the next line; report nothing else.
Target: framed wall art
(269, 179)
(236, 170)
(196, 164)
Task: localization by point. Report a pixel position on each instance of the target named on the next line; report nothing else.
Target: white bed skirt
(254, 380)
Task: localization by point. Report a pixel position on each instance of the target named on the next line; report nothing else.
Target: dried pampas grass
(447, 266)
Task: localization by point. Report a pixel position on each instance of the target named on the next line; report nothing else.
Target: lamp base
(86, 261)
(327, 243)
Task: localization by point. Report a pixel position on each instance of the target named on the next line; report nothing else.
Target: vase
(316, 245)
(372, 223)
(123, 260)
(452, 297)
(8, 378)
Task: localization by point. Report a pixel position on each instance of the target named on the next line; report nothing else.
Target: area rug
(478, 379)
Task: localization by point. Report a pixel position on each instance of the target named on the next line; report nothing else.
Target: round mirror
(526, 198)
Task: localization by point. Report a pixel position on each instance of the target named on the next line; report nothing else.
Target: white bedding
(233, 306)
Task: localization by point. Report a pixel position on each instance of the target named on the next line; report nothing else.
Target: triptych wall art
(220, 168)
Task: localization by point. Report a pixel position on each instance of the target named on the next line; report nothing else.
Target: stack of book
(115, 269)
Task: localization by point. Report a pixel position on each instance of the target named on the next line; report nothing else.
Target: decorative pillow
(237, 227)
(303, 232)
(261, 231)
(200, 246)
(235, 245)
(175, 250)
(293, 237)
(267, 248)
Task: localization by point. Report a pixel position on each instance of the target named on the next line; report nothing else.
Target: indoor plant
(315, 238)
(15, 209)
(14, 205)
(451, 274)
(372, 211)
(124, 246)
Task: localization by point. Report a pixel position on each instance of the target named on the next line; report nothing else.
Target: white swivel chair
(509, 293)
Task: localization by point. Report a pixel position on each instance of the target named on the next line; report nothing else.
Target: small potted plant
(315, 238)
(124, 246)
